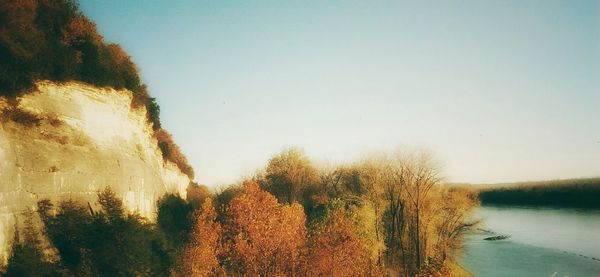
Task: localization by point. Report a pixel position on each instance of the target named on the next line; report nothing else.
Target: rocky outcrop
(76, 139)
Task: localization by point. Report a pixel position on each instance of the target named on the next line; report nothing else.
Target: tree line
(368, 218)
(570, 193)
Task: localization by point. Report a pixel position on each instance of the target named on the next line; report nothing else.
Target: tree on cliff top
(53, 40)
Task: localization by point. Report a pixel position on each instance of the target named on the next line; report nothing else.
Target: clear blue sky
(498, 90)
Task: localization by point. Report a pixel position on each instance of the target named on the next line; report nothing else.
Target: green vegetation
(571, 193)
(53, 40)
(107, 242)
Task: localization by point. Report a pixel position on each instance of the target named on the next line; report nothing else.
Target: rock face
(87, 139)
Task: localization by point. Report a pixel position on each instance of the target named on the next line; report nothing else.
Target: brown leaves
(79, 30)
(263, 237)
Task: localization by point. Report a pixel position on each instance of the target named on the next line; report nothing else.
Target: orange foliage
(263, 237)
(199, 257)
(337, 250)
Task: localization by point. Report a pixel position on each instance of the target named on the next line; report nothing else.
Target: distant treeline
(571, 193)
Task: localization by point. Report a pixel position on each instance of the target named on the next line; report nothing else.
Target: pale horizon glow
(498, 91)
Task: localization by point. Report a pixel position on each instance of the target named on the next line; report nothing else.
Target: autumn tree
(336, 249)
(200, 256)
(420, 177)
(261, 236)
(393, 180)
(197, 194)
(452, 218)
(287, 173)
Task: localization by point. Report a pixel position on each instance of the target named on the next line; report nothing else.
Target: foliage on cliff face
(53, 40)
(171, 152)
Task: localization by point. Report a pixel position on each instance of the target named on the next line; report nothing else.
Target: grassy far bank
(569, 193)
(390, 215)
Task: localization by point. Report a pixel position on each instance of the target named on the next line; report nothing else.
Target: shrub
(27, 257)
(108, 242)
(174, 219)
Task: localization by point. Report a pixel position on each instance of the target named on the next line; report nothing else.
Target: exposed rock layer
(88, 138)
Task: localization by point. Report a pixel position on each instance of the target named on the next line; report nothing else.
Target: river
(543, 242)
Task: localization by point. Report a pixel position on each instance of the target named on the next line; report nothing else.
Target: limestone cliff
(86, 138)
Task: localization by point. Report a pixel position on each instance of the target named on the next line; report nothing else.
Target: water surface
(543, 242)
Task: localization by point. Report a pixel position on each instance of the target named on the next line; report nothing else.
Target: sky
(498, 91)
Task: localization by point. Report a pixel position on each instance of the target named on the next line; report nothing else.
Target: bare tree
(420, 176)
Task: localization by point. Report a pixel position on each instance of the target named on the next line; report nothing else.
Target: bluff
(69, 140)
